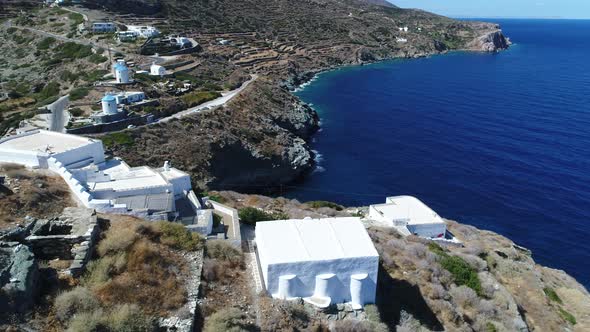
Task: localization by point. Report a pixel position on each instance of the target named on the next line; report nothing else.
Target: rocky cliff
(258, 138)
(492, 41)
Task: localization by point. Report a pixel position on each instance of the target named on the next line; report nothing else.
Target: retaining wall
(235, 238)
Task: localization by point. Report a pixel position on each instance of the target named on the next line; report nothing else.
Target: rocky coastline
(259, 141)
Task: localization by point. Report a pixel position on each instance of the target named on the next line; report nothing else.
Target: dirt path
(252, 265)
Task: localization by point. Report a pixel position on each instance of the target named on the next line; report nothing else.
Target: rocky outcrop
(19, 276)
(492, 41)
(255, 142)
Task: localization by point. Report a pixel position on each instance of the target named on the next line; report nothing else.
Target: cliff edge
(488, 283)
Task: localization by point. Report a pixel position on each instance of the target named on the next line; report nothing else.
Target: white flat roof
(45, 142)
(172, 173)
(123, 178)
(408, 208)
(285, 241)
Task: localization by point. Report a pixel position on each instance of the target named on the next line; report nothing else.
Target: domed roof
(108, 98)
(121, 67)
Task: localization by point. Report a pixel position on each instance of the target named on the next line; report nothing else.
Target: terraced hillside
(315, 33)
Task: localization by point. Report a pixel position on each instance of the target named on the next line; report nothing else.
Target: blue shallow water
(498, 141)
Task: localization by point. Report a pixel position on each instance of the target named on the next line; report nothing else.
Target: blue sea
(498, 141)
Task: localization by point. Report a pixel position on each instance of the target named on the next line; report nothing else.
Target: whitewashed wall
(113, 194)
(374, 214)
(428, 230)
(304, 283)
(93, 152)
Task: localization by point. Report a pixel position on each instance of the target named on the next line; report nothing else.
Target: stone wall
(235, 238)
(71, 237)
(180, 321)
(111, 126)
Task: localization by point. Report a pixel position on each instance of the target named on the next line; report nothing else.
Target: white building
(401, 40)
(109, 186)
(323, 261)
(104, 27)
(34, 148)
(403, 29)
(130, 97)
(121, 72)
(126, 36)
(109, 104)
(410, 216)
(143, 31)
(157, 70)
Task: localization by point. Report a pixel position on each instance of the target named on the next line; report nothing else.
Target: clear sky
(502, 8)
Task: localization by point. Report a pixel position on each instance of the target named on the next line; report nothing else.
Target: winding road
(225, 97)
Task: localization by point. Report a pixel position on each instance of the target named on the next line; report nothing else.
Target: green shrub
(176, 236)
(76, 17)
(198, 97)
(76, 111)
(217, 198)
(223, 251)
(95, 75)
(186, 77)
(217, 219)
(45, 43)
(119, 138)
(77, 300)
(490, 327)
(321, 204)
(97, 58)
(462, 272)
(567, 316)
(251, 215)
(73, 50)
(552, 295)
(79, 93)
(212, 87)
(51, 89)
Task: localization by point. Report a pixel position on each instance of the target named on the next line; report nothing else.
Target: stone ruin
(70, 237)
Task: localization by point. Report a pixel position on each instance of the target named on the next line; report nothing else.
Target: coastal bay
(498, 141)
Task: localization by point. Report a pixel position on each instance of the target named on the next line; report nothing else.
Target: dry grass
(135, 278)
(136, 268)
(230, 320)
(31, 193)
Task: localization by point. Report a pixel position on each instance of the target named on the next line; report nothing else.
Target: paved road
(225, 97)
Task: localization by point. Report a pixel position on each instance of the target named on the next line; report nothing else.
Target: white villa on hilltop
(323, 261)
(109, 186)
(409, 216)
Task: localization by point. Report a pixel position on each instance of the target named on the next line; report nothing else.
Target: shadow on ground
(395, 295)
